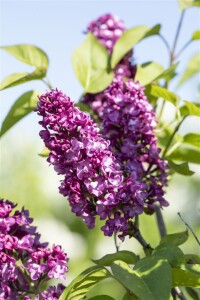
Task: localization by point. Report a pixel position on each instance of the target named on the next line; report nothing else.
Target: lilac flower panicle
(23, 258)
(108, 29)
(78, 152)
(129, 123)
(92, 166)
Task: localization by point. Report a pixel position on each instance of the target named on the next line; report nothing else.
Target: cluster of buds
(25, 262)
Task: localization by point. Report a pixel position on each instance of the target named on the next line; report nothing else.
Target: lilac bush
(26, 262)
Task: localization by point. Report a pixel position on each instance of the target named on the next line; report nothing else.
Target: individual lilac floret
(108, 29)
(23, 258)
(78, 152)
(129, 123)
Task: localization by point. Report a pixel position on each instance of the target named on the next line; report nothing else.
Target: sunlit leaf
(178, 238)
(183, 4)
(79, 287)
(124, 255)
(28, 54)
(160, 92)
(191, 69)
(185, 154)
(147, 72)
(196, 35)
(45, 152)
(192, 258)
(90, 63)
(168, 73)
(129, 39)
(185, 278)
(183, 168)
(192, 139)
(143, 280)
(25, 104)
(170, 252)
(19, 78)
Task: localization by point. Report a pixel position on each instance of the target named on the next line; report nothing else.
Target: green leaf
(90, 64)
(185, 278)
(127, 296)
(126, 256)
(29, 54)
(147, 72)
(143, 280)
(170, 252)
(192, 139)
(129, 39)
(192, 109)
(177, 239)
(194, 294)
(192, 258)
(45, 152)
(183, 168)
(168, 73)
(196, 35)
(160, 92)
(79, 287)
(192, 268)
(185, 154)
(101, 297)
(191, 69)
(183, 4)
(19, 78)
(25, 104)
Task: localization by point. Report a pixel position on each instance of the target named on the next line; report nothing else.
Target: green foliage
(124, 255)
(90, 62)
(185, 278)
(45, 152)
(148, 72)
(183, 4)
(127, 296)
(192, 139)
(101, 297)
(25, 104)
(170, 252)
(193, 293)
(143, 280)
(30, 55)
(196, 35)
(177, 239)
(185, 154)
(160, 92)
(129, 39)
(83, 283)
(182, 169)
(191, 69)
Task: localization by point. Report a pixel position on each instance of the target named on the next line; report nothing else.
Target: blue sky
(57, 27)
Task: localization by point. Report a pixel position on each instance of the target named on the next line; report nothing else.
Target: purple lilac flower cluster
(78, 152)
(128, 123)
(108, 29)
(24, 260)
(93, 166)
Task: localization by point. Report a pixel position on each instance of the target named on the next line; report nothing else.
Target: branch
(160, 220)
(189, 227)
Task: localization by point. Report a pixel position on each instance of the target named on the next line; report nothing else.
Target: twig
(172, 136)
(177, 292)
(116, 244)
(160, 220)
(189, 227)
(182, 49)
(176, 37)
(165, 42)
